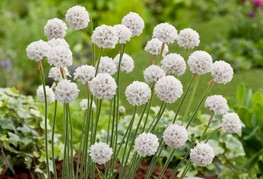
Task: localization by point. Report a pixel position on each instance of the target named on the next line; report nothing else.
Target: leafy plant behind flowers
(21, 133)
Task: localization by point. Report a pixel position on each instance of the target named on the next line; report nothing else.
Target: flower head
(173, 64)
(165, 32)
(55, 73)
(168, 89)
(49, 92)
(37, 50)
(66, 91)
(107, 65)
(231, 123)
(105, 36)
(188, 38)
(200, 62)
(153, 73)
(146, 144)
(58, 42)
(124, 34)
(202, 154)
(154, 47)
(103, 86)
(138, 93)
(77, 17)
(127, 63)
(60, 56)
(134, 22)
(122, 110)
(100, 153)
(84, 73)
(55, 28)
(175, 136)
(222, 72)
(217, 104)
(84, 104)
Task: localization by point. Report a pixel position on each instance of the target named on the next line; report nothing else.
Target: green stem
(166, 164)
(149, 107)
(161, 53)
(184, 97)
(211, 133)
(45, 95)
(187, 167)
(159, 115)
(52, 140)
(207, 126)
(71, 142)
(93, 45)
(98, 62)
(200, 103)
(191, 98)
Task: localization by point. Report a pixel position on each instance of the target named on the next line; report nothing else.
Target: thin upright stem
(98, 61)
(161, 53)
(52, 140)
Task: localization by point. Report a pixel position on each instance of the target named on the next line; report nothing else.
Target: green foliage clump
(22, 133)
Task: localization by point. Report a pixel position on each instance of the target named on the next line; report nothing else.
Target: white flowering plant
(101, 79)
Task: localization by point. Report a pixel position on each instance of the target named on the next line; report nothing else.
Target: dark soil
(22, 173)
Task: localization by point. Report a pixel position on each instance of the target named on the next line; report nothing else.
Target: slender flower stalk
(52, 140)
(45, 95)
(161, 54)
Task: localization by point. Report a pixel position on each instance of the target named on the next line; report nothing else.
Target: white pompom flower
(77, 17)
(84, 74)
(165, 32)
(107, 65)
(55, 73)
(202, 154)
(100, 153)
(200, 62)
(37, 50)
(154, 47)
(103, 86)
(55, 28)
(168, 89)
(49, 93)
(134, 22)
(231, 123)
(58, 42)
(66, 91)
(175, 136)
(122, 110)
(188, 38)
(124, 33)
(127, 63)
(146, 144)
(105, 37)
(222, 72)
(173, 64)
(138, 93)
(217, 104)
(153, 73)
(60, 56)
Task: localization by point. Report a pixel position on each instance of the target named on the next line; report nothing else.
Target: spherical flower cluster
(134, 22)
(200, 62)
(100, 153)
(66, 91)
(217, 104)
(55, 73)
(122, 110)
(84, 73)
(103, 86)
(49, 93)
(105, 36)
(231, 123)
(127, 63)
(37, 50)
(146, 144)
(55, 28)
(60, 56)
(222, 72)
(188, 38)
(138, 93)
(202, 154)
(107, 65)
(168, 89)
(58, 42)
(175, 136)
(153, 73)
(124, 34)
(77, 17)
(165, 32)
(173, 64)
(154, 47)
